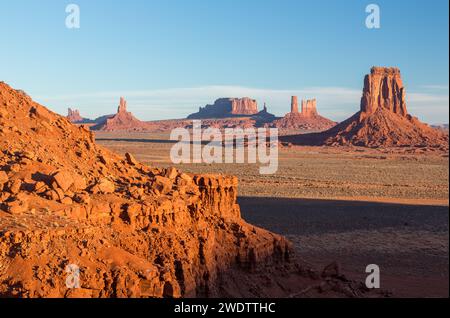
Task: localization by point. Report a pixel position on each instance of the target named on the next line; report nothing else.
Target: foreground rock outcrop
(306, 119)
(383, 119)
(70, 206)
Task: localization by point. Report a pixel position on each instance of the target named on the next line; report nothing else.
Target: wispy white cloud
(336, 103)
(430, 108)
(436, 87)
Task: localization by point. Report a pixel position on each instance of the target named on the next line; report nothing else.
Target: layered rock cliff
(77, 220)
(309, 108)
(383, 88)
(227, 107)
(132, 230)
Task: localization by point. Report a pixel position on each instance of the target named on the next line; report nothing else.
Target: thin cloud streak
(435, 87)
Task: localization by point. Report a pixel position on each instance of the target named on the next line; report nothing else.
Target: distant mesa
(73, 115)
(123, 120)
(227, 107)
(264, 115)
(306, 119)
(383, 119)
(442, 127)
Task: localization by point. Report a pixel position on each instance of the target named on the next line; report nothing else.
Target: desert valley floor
(355, 205)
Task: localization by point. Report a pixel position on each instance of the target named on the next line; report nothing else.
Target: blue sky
(168, 57)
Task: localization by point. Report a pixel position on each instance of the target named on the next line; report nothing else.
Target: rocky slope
(130, 229)
(383, 119)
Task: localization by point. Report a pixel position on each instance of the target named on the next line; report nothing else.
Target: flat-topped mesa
(244, 106)
(383, 88)
(294, 104)
(227, 107)
(309, 108)
(122, 106)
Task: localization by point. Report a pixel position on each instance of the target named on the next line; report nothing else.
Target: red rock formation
(74, 116)
(383, 119)
(294, 104)
(131, 230)
(383, 88)
(122, 106)
(244, 106)
(309, 108)
(227, 107)
(307, 119)
(123, 121)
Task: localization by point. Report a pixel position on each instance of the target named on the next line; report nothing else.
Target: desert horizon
(278, 156)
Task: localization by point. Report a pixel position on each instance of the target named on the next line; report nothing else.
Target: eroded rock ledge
(131, 229)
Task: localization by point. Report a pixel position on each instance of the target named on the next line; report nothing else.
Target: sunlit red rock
(307, 119)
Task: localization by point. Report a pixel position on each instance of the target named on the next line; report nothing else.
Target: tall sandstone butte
(123, 120)
(294, 104)
(307, 119)
(227, 107)
(73, 115)
(122, 108)
(309, 108)
(383, 119)
(383, 88)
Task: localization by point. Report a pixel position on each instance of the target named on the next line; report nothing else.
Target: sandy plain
(357, 206)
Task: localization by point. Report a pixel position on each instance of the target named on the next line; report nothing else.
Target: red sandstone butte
(123, 120)
(294, 104)
(309, 108)
(382, 121)
(383, 88)
(307, 119)
(74, 116)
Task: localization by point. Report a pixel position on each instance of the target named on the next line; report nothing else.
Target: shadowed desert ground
(357, 206)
